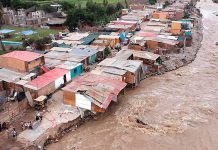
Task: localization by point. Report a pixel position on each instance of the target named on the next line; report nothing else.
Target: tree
(119, 6)
(1, 18)
(67, 5)
(166, 3)
(110, 10)
(6, 3)
(152, 2)
(48, 8)
(126, 3)
(105, 3)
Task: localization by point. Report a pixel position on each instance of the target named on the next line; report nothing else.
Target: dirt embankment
(186, 56)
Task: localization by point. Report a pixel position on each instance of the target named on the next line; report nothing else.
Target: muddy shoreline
(184, 58)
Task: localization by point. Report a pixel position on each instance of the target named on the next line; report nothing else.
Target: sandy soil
(174, 111)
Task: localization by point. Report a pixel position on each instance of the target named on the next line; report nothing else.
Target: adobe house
(22, 61)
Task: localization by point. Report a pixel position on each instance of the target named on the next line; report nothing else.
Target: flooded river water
(174, 111)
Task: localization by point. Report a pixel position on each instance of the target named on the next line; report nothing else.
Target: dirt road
(175, 111)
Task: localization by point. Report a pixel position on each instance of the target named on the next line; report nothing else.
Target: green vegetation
(17, 37)
(152, 2)
(92, 14)
(45, 3)
(166, 3)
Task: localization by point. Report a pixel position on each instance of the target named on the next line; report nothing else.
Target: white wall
(58, 82)
(83, 102)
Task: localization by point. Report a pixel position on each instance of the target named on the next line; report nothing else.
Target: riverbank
(175, 110)
(187, 55)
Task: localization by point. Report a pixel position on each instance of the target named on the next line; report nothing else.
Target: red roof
(23, 55)
(122, 22)
(146, 34)
(47, 78)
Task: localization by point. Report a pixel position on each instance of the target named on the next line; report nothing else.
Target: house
(136, 43)
(151, 61)
(124, 25)
(161, 45)
(9, 16)
(86, 56)
(61, 49)
(22, 61)
(48, 82)
(111, 39)
(137, 7)
(134, 68)
(174, 14)
(106, 43)
(160, 15)
(56, 23)
(125, 11)
(9, 78)
(133, 17)
(88, 52)
(176, 27)
(111, 73)
(153, 28)
(102, 51)
(74, 68)
(124, 55)
(93, 92)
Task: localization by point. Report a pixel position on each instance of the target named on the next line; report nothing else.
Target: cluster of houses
(33, 17)
(80, 64)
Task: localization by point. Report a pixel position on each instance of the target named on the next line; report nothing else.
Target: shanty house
(48, 82)
(22, 61)
(88, 52)
(160, 15)
(92, 92)
(111, 72)
(150, 60)
(74, 68)
(176, 27)
(134, 68)
(10, 77)
(113, 39)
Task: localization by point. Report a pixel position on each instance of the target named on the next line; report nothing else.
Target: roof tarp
(5, 31)
(28, 32)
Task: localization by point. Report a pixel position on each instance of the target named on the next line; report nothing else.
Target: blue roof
(4, 31)
(28, 32)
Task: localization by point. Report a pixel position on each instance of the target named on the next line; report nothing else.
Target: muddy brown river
(174, 111)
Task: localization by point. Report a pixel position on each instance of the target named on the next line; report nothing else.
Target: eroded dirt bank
(177, 110)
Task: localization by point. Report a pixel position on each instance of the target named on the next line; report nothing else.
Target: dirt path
(175, 111)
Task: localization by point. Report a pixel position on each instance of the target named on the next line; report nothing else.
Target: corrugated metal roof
(22, 55)
(90, 38)
(61, 49)
(129, 65)
(90, 80)
(83, 52)
(146, 34)
(46, 78)
(145, 55)
(69, 65)
(99, 89)
(10, 76)
(123, 55)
